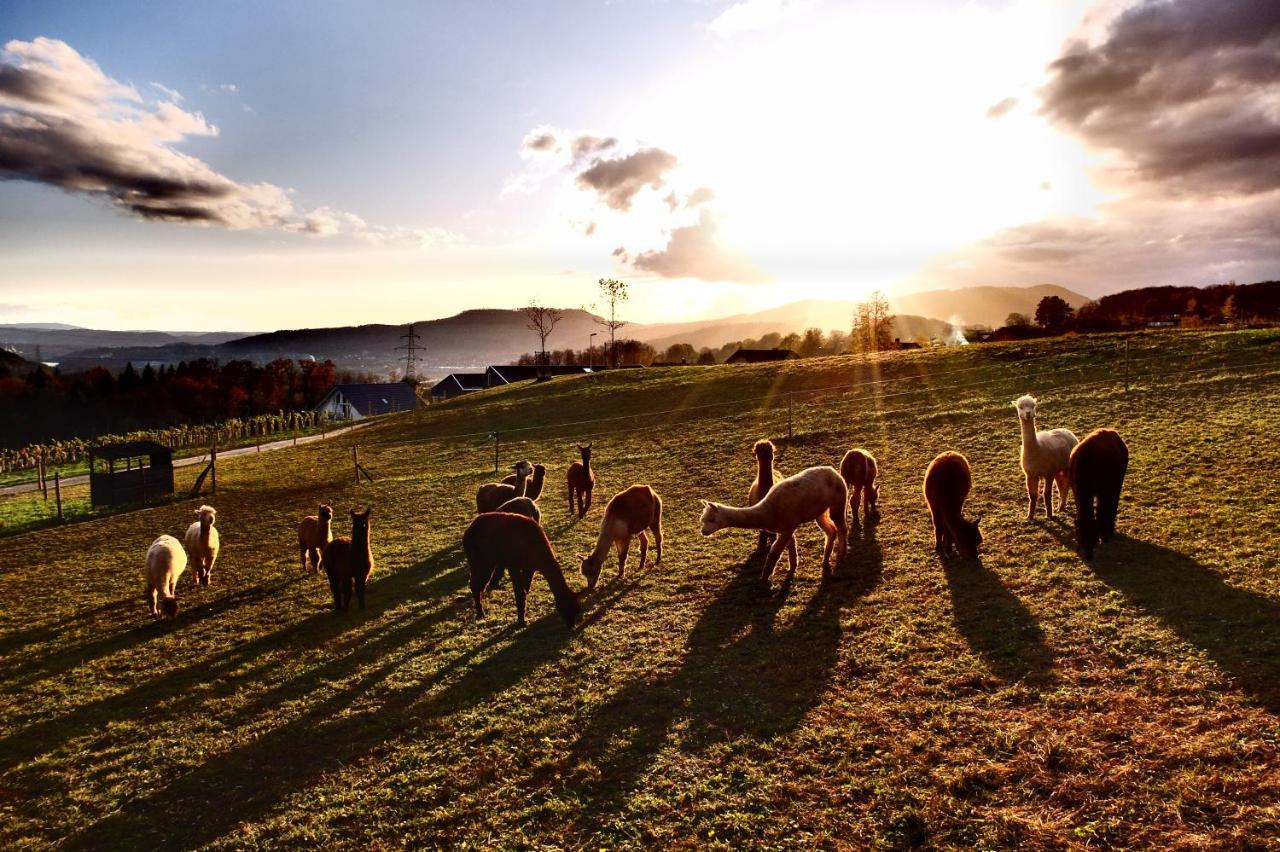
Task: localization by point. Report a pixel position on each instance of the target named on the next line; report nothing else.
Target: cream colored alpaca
(166, 560)
(491, 495)
(628, 514)
(202, 544)
(1045, 455)
(816, 494)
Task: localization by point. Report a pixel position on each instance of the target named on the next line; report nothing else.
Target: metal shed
(147, 473)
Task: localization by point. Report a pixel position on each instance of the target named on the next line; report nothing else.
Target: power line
(410, 349)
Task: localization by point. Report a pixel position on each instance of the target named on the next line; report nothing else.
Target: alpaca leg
(335, 589)
(150, 598)
(939, 538)
(855, 497)
(478, 585)
(793, 557)
(304, 553)
(1108, 508)
(657, 540)
(644, 548)
(1063, 488)
(587, 508)
(779, 544)
(208, 572)
(829, 530)
(842, 532)
(1086, 524)
(624, 545)
(360, 581)
(570, 499)
(1048, 497)
(1033, 492)
(520, 585)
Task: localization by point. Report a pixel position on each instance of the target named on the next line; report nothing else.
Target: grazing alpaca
(492, 495)
(202, 544)
(166, 560)
(816, 494)
(766, 475)
(349, 561)
(628, 514)
(314, 534)
(534, 489)
(946, 485)
(1097, 469)
(581, 480)
(526, 506)
(858, 470)
(497, 541)
(1044, 456)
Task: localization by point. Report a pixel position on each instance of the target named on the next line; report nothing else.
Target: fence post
(789, 414)
(213, 466)
(57, 493)
(44, 484)
(355, 462)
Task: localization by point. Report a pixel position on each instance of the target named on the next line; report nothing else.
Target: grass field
(1028, 699)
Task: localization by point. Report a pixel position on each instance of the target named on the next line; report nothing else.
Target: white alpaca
(202, 544)
(1045, 455)
(166, 560)
(816, 494)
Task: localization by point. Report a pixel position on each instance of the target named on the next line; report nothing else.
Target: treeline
(813, 343)
(43, 404)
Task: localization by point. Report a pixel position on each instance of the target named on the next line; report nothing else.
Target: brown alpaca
(816, 494)
(858, 470)
(766, 475)
(314, 534)
(493, 494)
(496, 541)
(349, 561)
(946, 485)
(628, 514)
(582, 479)
(1096, 472)
(534, 489)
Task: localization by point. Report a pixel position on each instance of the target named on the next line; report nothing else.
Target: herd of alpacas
(506, 533)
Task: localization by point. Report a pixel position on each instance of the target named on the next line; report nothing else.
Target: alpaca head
(969, 537)
(522, 468)
(1026, 405)
(206, 514)
(326, 512)
(360, 524)
(590, 568)
(763, 451)
(569, 608)
(539, 471)
(586, 454)
(873, 501)
(169, 607)
(713, 520)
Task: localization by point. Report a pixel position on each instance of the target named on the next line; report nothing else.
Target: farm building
(456, 384)
(356, 402)
(129, 472)
(498, 375)
(760, 356)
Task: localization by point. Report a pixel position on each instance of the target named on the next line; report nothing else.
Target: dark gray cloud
(695, 252)
(541, 142)
(617, 181)
(1185, 91)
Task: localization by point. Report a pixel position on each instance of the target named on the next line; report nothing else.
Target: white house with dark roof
(356, 402)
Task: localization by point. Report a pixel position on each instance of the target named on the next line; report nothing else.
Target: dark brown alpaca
(946, 485)
(582, 479)
(1096, 473)
(858, 470)
(533, 488)
(348, 562)
(766, 475)
(496, 541)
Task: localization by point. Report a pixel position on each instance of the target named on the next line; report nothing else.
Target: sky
(250, 166)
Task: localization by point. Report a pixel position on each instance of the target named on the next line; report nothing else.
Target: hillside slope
(987, 306)
(1025, 700)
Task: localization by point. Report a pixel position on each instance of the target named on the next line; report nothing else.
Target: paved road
(190, 460)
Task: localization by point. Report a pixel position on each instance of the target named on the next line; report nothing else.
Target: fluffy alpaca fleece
(166, 560)
(493, 494)
(534, 489)
(314, 534)
(766, 476)
(526, 506)
(816, 494)
(946, 485)
(627, 515)
(1098, 466)
(1044, 455)
(858, 470)
(498, 540)
(202, 544)
(348, 562)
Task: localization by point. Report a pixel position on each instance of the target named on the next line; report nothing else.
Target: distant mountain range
(476, 338)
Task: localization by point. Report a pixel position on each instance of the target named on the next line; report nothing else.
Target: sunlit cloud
(755, 15)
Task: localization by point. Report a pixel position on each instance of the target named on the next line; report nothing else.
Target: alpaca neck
(1028, 425)
(326, 529)
(522, 482)
(555, 579)
(204, 533)
(360, 546)
(745, 517)
(603, 543)
(534, 491)
(764, 475)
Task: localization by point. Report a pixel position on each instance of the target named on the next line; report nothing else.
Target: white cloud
(754, 15)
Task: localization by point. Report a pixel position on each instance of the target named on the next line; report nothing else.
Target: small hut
(131, 472)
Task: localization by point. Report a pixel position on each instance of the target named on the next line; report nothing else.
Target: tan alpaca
(166, 560)
(628, 514)
(581, 480)
(314, 534)
(202, 544)
(534, 489)
(766, 476)
(1044, 455)
(858, 469)
(946, 485)
(493, 494)
(816, 494)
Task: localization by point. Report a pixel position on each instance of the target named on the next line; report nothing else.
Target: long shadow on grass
(744, 676)
(998, 627)
(1238, 629)
(178, 690)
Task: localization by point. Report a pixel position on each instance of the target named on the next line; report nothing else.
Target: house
(356, 402)
(456, 384)
(760, 356)
(505, 374)
(683, 362)
(905, 344)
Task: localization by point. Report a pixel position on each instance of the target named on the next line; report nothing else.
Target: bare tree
(614, 292)
(541, 320)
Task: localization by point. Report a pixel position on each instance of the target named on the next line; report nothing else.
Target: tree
(1017, 320)
(706, 357)
(678, 352)
(614, 292)
(811, 344)
(1053, 313)
(1230, 313)
(541, 321)
(872, 324)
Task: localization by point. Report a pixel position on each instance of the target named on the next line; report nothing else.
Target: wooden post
(213, 466)
(57, 493)
(355, 462)
(44, 485)
(295, 437)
